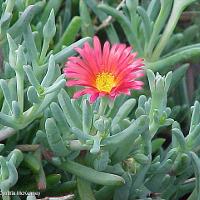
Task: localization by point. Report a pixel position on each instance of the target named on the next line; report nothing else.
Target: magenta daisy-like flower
(110, 71)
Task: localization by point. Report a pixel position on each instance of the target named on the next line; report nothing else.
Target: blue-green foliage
(55, 144)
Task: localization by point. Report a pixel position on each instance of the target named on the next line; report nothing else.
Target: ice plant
(110, 71)
(126, 148)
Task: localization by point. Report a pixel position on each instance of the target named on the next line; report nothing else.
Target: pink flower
(110, 71)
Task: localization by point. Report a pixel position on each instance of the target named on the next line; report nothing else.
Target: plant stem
(10, 5)
(179, 56)
(84, 190)
(177, 10)
(158, 26)
(28, 147)
(44, 50)
(6, 132)
(76, 145)
(103, 105)
(20, 89)
(90, 174)
(108, 20)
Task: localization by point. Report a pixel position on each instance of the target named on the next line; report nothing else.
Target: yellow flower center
(105, 81)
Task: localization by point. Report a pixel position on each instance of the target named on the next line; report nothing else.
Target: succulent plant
(97, 139)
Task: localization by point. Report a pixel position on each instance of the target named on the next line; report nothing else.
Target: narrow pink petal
(118, 53)
(97, 50)
(94, 97)
(106, 52)
(70, 73)
(83, 92)
(130, 68)
(78, 94)
(111, 57)
(126, 53)
(123, 65)
(78, 83)
(137, 85)
(87, 58)
(128, 75)
(76, 68)
(79, 77)
(103, 94)
(80, 65)
(90, 57)
(122, 91)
